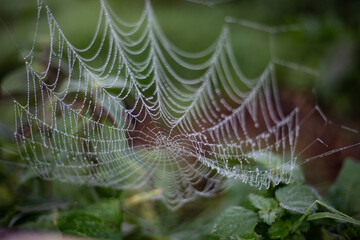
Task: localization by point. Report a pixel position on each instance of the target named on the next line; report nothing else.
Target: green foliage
(236, 223)
(279, 229)
(294, 212)
(291, 211)
(100, 220)
(295, 198)
(269, 208)
(345, 192)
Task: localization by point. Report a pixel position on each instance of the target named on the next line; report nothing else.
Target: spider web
(133, 110)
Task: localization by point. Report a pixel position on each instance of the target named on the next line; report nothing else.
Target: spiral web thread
(132, 110)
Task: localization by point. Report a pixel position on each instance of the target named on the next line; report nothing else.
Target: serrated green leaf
(345, 192)
(236, 223)
(269, 216)
(269, 209)
(296, 198)
(261, 202)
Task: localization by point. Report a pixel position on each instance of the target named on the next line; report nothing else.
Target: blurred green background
(328, 41)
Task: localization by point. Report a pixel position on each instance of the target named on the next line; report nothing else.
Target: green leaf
(81, 223)
(296, 198)
(261, 202)
(345, 192)
(280, 229)
(236, 223)
(323, 215)
(269, 216)
(100, 220)
(269, 208)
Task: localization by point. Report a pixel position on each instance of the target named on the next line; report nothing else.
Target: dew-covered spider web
(133, 110)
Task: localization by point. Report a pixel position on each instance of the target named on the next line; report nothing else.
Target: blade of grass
(322, 215)
(334, 214)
